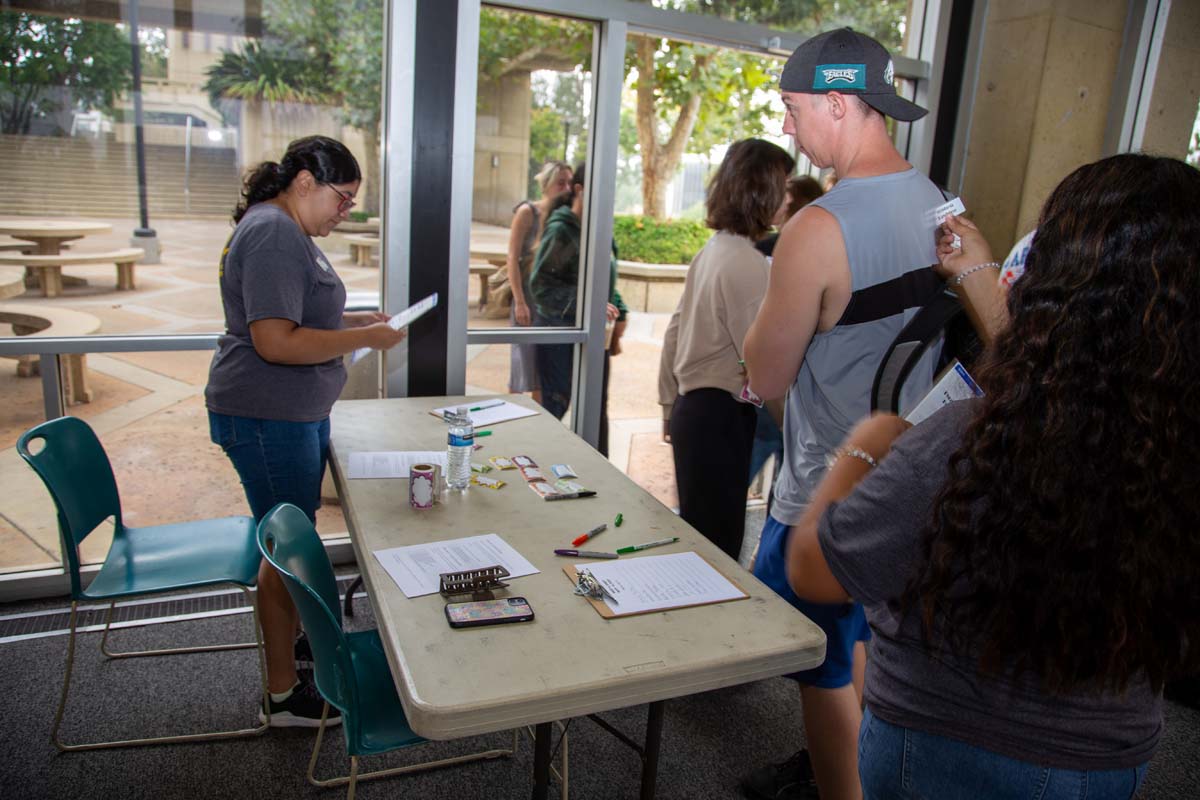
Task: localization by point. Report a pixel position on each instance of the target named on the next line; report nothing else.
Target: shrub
(359, 216)
(652, 241)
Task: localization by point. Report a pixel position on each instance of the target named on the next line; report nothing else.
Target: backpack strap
(909, 345)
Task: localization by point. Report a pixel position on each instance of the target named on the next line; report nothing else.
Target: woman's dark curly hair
(327, 159)
(748, 188)
(1066, 542)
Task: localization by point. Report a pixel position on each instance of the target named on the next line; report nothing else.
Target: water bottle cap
(461, 411)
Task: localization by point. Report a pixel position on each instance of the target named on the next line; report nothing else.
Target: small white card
(937, 215)
(955, 384)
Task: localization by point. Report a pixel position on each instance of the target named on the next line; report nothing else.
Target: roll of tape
(422, 481)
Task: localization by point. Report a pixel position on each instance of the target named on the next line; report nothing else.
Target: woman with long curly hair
(1028, 560)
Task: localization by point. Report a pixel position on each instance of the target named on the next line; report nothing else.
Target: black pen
(585, 554)
(570, 495)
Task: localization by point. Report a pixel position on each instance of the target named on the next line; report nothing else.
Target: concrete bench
(362, 247)
(12, 282)
(30, 320)
(50, 267)
(651, 287)
(485, 271)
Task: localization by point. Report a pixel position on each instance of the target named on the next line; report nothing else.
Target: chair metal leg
(560, 771)
(348, 603)
(354, 776)
(175, 651)
(191, 737)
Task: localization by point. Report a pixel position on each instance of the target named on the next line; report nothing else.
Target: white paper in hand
(402, 320)
(937, 215)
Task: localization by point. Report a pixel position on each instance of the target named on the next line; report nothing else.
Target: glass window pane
(533, 106)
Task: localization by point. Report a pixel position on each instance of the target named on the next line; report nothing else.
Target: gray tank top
(890, 246)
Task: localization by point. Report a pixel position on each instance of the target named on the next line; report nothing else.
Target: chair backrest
(287, 539)
(73, 465)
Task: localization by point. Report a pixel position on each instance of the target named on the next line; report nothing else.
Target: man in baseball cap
(849, 271)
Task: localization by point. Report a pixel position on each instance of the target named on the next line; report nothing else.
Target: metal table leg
(541, 760)
(654, 726)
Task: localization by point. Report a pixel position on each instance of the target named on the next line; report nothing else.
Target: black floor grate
(172, 608)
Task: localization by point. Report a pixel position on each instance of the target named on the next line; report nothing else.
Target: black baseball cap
(850, 62)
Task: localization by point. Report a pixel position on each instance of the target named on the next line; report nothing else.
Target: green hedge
(652, 241)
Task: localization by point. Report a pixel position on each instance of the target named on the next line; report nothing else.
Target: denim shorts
(277, 461)
(898, 762)
(844, 624)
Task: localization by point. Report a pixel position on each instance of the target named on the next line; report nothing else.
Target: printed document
(416, 569)
(655, 583)
(955, 384)
(402, 320)
(391, 463)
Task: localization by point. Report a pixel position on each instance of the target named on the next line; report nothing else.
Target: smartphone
(488, 612)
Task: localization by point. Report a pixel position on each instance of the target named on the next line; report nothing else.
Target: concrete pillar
(1046, 79)
(1176, 93)
(501, 147)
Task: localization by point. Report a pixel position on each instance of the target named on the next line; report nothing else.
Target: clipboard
(604, 611)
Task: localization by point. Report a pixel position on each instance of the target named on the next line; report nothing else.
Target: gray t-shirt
(872, 541)
(270, 269)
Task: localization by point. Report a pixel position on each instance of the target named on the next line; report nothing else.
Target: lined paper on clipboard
(657, 583)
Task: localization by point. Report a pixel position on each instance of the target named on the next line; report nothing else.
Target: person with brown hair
(700, 375)
(801, 190)
(1028, 559)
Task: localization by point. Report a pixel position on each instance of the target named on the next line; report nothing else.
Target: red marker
(578, 540)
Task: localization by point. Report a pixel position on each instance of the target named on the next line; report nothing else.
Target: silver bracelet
(854, 452)
(958, 279)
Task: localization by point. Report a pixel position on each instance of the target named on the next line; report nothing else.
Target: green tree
(49, 64)
(691, 97)
(315, 51)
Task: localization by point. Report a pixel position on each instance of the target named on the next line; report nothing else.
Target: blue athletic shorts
(844, 623)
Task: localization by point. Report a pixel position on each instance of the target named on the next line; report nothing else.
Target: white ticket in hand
(937, 215)
(402, 320)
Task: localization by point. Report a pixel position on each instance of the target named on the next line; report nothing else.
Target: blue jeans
(554, 366)
(896, 762)
(768, 441)
(277, 461)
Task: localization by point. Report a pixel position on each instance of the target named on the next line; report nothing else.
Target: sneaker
(788, 780)
(302, 709)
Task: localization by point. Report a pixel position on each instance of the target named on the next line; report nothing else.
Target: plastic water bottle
(460, 444)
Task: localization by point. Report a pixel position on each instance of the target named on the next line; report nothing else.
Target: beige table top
(569, 661)
(34, 229)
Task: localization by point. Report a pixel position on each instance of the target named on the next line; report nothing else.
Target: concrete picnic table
(48, 236)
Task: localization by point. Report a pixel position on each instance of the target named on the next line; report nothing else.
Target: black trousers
(712, 436)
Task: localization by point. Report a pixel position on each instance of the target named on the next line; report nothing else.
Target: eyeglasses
(347, 202)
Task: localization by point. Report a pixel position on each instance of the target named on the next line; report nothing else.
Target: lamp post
(143, 236)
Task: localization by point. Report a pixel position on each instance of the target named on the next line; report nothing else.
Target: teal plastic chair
(161, 558)
(351, 668)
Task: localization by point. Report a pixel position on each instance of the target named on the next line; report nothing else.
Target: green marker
(483, 433)
(633, 548)
(617, 522)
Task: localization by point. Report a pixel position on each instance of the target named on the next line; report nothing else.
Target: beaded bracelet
(958, 279)
(854, 452)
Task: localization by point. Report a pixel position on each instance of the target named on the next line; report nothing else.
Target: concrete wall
(501, 147)
(1045, 83)
(1177, 84)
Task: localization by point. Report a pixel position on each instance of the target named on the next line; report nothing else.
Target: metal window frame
(1137, 71)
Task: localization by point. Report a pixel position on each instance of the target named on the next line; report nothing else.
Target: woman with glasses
(278, 366)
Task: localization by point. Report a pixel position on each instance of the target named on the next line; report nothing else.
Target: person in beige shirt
(700, 375)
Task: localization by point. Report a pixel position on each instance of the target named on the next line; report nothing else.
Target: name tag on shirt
(323, 264)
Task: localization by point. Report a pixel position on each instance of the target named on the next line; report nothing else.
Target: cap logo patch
(840, 76)
(889, 73)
